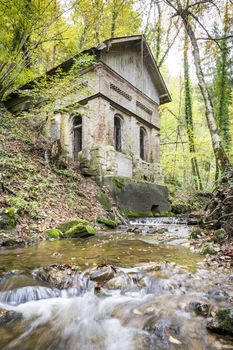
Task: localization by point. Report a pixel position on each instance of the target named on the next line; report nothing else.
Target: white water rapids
(144, 306)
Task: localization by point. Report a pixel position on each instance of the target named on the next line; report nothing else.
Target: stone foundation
(137, 198)
(104, 161)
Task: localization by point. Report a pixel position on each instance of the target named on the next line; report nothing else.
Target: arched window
(77, 136)
(143, 143)
(117, 133)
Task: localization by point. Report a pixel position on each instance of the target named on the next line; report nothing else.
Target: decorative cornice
(144, 108)
(120, 92)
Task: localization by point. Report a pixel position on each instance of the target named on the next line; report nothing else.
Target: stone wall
(137, 198)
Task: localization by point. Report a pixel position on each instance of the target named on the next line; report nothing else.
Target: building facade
(116, 128)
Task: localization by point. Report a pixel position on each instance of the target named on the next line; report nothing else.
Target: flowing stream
(157, 294)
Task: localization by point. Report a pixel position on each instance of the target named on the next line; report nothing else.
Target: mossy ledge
(78, 228)
(108, 222)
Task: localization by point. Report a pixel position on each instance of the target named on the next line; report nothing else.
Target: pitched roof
(164, 94)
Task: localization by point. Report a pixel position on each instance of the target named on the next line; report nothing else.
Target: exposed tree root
(219, 211)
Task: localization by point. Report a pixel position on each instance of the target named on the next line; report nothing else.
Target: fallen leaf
(174, 340)
(137, 312)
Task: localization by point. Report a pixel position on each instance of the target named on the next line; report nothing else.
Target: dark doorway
(117, 133)
(142, 144)
(77, 136)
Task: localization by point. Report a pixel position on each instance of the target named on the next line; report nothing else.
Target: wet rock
(222, 322)
(192, 221)
(11, 240)
(200, 308)
(159, 230)
(7, 316)
(149, 267)
(162, 329)
(102, 273)
(218, 295)
(122, 281)
(61, 276)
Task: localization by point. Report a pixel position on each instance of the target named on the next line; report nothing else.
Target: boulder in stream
(121, 281)
(7, 316)
(200, 308)
(102, 273)
(222, 322)
(61, 276)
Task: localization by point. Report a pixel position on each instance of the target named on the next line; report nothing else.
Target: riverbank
(37, 193)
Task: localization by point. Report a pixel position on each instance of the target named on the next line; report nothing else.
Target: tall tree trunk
(158, 28)
(189, 119)
(223, 86)
(221, 158)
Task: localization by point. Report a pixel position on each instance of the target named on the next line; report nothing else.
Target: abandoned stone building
(115, 130)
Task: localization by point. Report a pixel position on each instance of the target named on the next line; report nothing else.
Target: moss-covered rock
(138, 214)
(8, 218)
(196, 233)
(76, 228)
(219, 235)
(179, 207)
(66, 226)
(80, 230)
(108, 222)
(104, 200)
(8, 316)
(208, 250)
(119, 182)
(222, 322)
(53, 233)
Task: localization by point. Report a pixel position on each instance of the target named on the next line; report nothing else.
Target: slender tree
(222, 84)
(185, 12)
(189, 118)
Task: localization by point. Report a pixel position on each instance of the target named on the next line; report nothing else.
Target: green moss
(166, 214)
(108, 222)
(226, 319)
(53, 233)
(66, 226)
(10, 216)
(104, 201)
(138, 214)
(90, 229)
(179, 207)
(219, 235)
(196, 233)
(8, 219)
(208, 250)
(80, 230)
(119, 182)
(222, 322)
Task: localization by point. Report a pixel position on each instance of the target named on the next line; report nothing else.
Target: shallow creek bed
(136, 288)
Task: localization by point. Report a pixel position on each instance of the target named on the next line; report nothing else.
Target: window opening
(117, 134)
(142, 144)
(77, 136)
